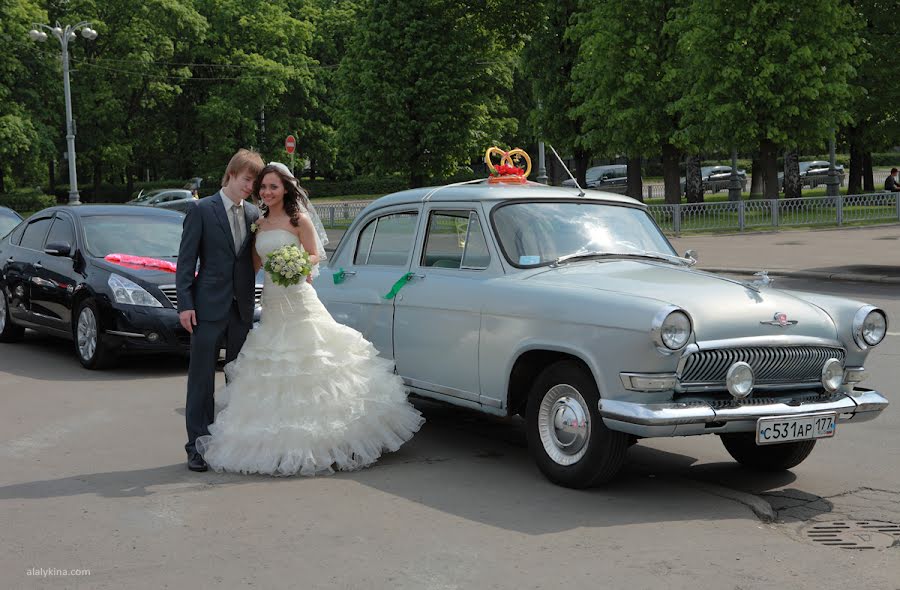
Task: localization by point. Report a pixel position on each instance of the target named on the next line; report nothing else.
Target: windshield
(7, 223)
(138, 235)
(148, 195)
(533, 234)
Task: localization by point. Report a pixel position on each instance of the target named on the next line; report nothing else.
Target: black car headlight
(130, 293)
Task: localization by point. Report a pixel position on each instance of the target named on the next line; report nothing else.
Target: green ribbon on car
(339, 277)
(399, 285)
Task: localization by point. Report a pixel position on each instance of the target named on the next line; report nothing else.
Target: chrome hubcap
(564, 424)
(2, 311)
(87, 334)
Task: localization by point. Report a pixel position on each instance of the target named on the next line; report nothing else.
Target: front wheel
(781, 457)
(9, 332)
(90, 347)
(566, 435)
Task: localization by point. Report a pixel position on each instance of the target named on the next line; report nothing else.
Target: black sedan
(99, 275)
(8, 220)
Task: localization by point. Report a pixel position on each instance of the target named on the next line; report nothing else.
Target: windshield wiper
(642, 254)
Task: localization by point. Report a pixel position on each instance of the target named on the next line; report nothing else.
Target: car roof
(484, 191)
(112, 209)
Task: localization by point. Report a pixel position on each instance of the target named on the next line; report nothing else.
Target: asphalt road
(92, 476)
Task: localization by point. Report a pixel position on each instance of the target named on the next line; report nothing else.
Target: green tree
(422, 85)
(23, 133)
(767, 74)
(876, 111)
(548, 60)
(623, 84)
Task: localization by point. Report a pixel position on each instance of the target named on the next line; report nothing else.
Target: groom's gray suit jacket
(223, 274)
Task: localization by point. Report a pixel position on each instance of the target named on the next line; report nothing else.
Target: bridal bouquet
(288, 265)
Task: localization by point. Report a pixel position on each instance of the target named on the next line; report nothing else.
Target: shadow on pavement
(53, 359)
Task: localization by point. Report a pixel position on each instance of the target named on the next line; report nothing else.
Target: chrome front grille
(172, 294)
(772, 365)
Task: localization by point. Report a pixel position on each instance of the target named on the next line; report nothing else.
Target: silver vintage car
(576, 313)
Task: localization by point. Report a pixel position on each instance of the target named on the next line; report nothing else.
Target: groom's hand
(188, 320)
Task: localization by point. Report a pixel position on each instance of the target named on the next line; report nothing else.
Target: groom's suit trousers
(199, 410)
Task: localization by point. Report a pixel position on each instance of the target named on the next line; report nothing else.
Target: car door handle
(38, 265)
(418, 276)
(10, 259)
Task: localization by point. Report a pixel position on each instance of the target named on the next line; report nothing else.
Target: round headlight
(832, 375)
(739, 380)
(675, 330)
(869, 326)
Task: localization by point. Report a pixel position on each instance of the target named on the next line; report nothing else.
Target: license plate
(782, 429)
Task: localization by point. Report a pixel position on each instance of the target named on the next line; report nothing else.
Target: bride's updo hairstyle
(294, 196)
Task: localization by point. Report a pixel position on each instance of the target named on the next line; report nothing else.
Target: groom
(219, 300)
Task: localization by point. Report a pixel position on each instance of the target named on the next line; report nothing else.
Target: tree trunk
(769, 156)
(671, 176)
(756, 178)
(693, 182)
(868, 173)
(635, 184)
(792, 189)
(2, 182)
(51, 171)
(129, 182)
(581, 166)
(98, 173)
(854, 180)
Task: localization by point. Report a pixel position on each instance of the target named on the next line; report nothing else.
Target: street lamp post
(832, 182)
(542, 168)
(64, 35)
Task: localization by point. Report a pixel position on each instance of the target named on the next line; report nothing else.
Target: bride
(306, 394)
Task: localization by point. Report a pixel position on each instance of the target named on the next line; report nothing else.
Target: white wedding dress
(306, 394)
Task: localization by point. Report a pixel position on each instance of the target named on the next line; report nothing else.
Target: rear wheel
(566, 435)
(9, 332)
(743, 448)
(90, 347)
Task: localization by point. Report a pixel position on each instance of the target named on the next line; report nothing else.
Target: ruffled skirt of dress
(306, 395)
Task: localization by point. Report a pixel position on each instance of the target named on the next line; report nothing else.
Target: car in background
(177, 199)
(813, 173)
(8, 220)
(101, 276)
(574, 311)
(717, 178)
(613, 178)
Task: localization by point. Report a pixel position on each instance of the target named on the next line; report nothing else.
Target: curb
(810, 274)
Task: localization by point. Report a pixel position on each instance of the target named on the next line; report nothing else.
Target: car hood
(152, 276)
(720, 308)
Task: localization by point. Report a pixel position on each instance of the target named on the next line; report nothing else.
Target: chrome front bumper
(693, 418)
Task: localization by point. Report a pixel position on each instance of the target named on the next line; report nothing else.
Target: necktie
(236, 227)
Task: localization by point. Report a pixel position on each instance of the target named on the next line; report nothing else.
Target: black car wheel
(90, 347)
(9, 332)
(566, 435)
(743, 448)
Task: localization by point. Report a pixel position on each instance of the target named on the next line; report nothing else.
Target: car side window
(16, 235)
(455, 240)
(387, 240)
(35, 233)
(62, 231)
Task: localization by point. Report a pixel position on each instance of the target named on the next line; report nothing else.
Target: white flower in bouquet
(288, 265)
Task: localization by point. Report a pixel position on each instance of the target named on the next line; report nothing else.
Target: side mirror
(58, 249)
(691, 255)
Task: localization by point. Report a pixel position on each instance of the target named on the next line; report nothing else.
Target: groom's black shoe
(196, 462)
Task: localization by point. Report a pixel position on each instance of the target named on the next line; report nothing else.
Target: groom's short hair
(248, 160)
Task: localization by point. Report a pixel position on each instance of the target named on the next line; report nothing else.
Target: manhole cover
(855, 534)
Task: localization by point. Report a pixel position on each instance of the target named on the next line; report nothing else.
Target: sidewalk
(864, 254)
